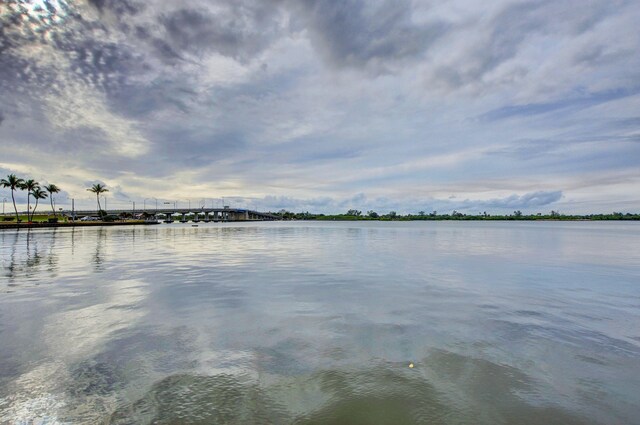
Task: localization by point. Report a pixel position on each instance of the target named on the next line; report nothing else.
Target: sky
(325, 106)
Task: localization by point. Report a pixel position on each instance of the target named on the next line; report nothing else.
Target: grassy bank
(38, 218)
(45, 224)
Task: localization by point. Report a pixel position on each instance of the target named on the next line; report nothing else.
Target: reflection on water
(447, 388)
(25, 254)
(316, 323)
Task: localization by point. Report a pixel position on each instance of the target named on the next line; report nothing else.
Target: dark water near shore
(317, 323)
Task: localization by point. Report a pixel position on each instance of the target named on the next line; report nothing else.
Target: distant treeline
(455, 215)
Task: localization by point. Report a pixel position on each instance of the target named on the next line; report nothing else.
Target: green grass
(38, 218)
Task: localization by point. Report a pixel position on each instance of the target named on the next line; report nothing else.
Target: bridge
(169, 215)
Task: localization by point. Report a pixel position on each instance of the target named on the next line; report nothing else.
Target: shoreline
(45, 225)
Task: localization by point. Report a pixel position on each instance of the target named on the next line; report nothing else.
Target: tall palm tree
(52, 188)
(29, 186)
(98, 189)
(37, 194)
(13, 183)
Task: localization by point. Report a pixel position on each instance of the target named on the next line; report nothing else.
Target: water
(317, 323)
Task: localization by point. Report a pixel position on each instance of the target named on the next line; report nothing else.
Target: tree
(517, 213)
(421, 213)
(29, 186)
(98, 189)
(355, 213)
(392, 214)
(52, 188)
(372, 214)
(13, 183)
(37, 194)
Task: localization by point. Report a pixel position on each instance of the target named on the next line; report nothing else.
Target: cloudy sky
(326, 105)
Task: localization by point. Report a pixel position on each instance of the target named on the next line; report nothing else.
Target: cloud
(508, 44)
(311, 102)
(575, 103)
(530, 202)
(235, 29)
(381, 35)
(526, 201)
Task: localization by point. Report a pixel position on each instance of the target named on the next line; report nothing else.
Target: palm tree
(29, 186)
(37, 194)
(98, 189)
(52, 188)
(13, 183)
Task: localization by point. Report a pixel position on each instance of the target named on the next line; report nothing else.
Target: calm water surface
(317, 323)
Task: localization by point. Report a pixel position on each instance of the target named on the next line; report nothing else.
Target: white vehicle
(89, 218)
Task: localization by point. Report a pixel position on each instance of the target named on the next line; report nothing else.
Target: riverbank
(43, 225)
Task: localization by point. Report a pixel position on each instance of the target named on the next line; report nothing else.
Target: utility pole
(73, 209)
(3, 201)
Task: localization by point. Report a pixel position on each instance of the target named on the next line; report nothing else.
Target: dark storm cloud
(234, 28)
(238, 30)
(358, 33)
(118, 7)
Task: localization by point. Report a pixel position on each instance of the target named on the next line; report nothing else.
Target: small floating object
(194, 225)
(411, 365)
